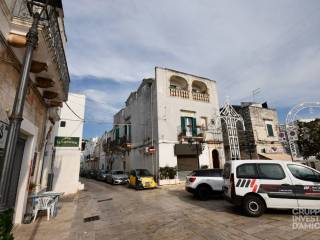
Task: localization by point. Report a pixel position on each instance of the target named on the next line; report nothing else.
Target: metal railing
(204, 97)
(203, 134)
(52, 35)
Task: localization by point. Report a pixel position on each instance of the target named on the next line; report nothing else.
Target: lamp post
(199, 148)
(36, 10)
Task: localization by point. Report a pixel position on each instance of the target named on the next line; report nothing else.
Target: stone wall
(34, 108)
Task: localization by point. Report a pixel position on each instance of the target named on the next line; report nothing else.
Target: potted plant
(6, 225)
(168, 175)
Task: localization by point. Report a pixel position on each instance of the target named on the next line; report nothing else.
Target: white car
(259, 184)
(204, 182)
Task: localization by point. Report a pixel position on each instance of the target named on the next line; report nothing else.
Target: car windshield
(117, 172)
(143, 172)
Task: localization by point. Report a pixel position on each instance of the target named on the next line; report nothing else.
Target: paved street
(165, 213)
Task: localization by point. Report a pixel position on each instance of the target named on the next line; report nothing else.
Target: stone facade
(35, 145)
(261, 135)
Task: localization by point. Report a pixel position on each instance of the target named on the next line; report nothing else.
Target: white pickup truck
(205, 182)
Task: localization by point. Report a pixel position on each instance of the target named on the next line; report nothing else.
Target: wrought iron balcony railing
(52, 35)
(202, 135)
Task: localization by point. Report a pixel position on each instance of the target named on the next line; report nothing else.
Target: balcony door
(215, 159)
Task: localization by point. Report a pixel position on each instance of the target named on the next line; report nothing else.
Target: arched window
(199, 87)
(178, 83)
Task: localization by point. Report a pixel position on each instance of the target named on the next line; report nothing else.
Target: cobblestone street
(165, 213)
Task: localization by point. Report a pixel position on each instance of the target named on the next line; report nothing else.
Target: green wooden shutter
(126, 131)
(117, 135)
(183, 124)
(194, 127)
(270, 130)
(129, 133)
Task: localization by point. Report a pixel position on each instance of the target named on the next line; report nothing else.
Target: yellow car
(141, 179)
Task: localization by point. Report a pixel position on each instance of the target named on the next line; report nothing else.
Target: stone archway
(215, 158)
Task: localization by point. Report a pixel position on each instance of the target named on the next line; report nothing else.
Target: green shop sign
(66, 142)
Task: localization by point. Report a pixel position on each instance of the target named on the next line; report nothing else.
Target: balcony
(213, 136)
(117, 145)
(185, 135)
(50, 51)
(179, 93)
(204, 97)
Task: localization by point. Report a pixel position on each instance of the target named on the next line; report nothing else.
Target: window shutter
(117, 135)
(194, 127)
(126, 131)
(183, 124)
(129, 132)
(270, 130)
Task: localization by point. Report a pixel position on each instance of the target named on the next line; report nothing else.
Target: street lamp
(38, 11)
(199, 148)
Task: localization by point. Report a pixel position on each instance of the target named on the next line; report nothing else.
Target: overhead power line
(74, 112)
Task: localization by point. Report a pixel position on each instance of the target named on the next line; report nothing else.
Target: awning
(275, 156)
(187, 149)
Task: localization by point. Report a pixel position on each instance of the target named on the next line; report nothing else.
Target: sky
(244, 45)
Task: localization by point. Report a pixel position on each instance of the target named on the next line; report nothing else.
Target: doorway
(215, 158)
(16, 171)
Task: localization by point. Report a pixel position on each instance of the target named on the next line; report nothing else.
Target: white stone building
(261, 137)
(90, 161)
(171, 120)
(47, 89)
(67, 143)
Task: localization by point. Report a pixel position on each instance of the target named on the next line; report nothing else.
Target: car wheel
(253, 206)
(203, 193)
(112, 181)
(139, 186)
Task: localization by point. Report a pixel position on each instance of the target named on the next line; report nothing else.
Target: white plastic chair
(44, 203)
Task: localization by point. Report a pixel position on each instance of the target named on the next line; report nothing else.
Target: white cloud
(243, 45)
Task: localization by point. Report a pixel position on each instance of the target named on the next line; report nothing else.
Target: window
(189, 126)
(304, 173)
(269, 130)
(143, 173)
(117, 135)
(216, 173)
(203, 123)
(63, 124)
(248, 170)
(270, 171)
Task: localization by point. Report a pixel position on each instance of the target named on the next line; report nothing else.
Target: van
(256, 185)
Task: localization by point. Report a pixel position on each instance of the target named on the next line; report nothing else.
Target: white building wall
(156, 120)
(170, 109)
(67, 159)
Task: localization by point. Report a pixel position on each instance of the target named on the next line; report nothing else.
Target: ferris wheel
(291, 124)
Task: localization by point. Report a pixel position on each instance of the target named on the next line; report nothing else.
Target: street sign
(150, 149)
(4, 128)
(66, 141)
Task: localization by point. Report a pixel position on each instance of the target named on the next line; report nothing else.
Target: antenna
(255, 92)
